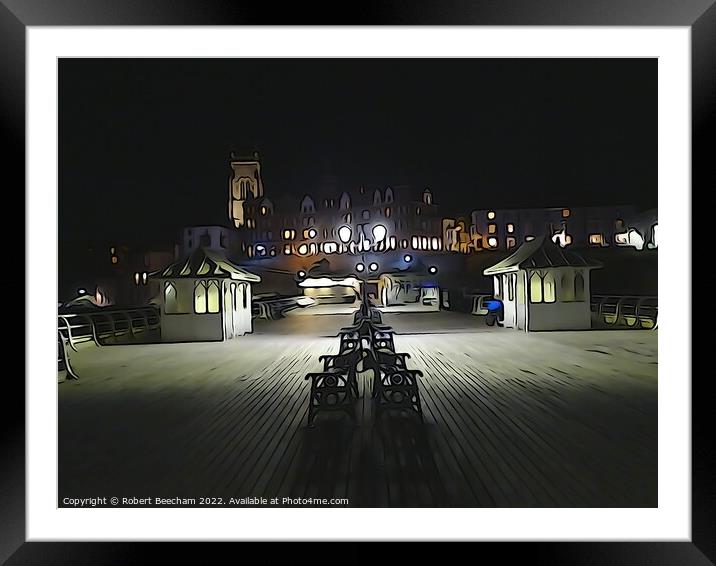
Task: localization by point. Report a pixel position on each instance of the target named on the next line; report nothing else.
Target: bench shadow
(385, 462)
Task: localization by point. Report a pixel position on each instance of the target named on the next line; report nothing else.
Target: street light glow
(373, 266)
(408, 258)
(379, 232)
(360, 267)
(433, 269)
(345, 233)
(301, 273)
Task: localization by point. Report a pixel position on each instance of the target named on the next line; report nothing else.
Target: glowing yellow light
(115, 259)
(491, 215)
(303, 249)
(492, 242)
(263, 210)
(287, 249)
(566, 212)
(491, 228)
(510, 228)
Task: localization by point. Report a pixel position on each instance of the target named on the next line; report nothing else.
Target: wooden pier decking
(511, 420)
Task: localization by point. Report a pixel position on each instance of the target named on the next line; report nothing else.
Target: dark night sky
(144, 142)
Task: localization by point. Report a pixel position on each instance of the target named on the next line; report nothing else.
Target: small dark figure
(495, 312)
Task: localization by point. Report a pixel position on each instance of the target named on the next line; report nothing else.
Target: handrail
(101, 325)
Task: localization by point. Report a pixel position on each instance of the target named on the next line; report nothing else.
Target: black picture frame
(699, 15)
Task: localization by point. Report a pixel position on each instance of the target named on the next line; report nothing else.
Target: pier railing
(625, 311)
(109, 325)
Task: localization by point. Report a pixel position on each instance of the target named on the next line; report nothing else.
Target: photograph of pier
(358, 282)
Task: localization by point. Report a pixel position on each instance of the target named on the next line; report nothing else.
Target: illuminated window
(417, 211)
(144, 278)
(510, 228)
(115, 259)
(212, 296)
(136, 278)
(273, 251)
(200, 297)
(303, 249)
(492, 242)
(287, 249)
(330, 247)
(250, 251)
(424, 242)
(111, 250)
(491, 215)
(596, 239)
(566, 212)
(535, 288)
(548, 291)
(435, 244)
(263, 211)
(310, 233)
(492, 228)
(170, 298)
(404, 244)
(415, 242)
(289, 234)
(387, 212)
(511, 242)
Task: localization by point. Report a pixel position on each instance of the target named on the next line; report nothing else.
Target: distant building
(245, 184)
(543, 287)
(216, 238)
(504, 229)
(328, 223)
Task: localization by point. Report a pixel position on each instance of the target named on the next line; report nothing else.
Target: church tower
(244, 184)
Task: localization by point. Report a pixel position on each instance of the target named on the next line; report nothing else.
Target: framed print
(373, 282)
